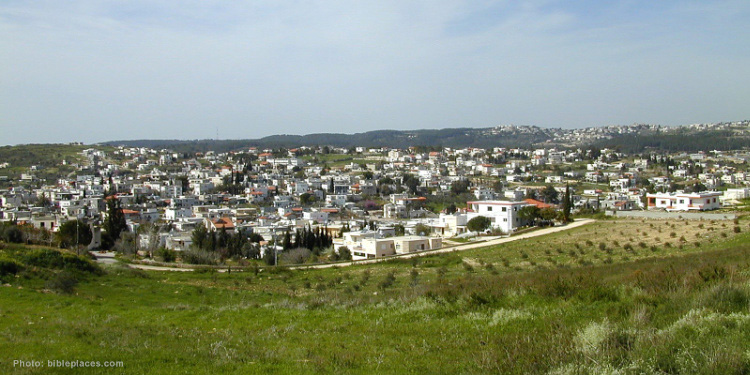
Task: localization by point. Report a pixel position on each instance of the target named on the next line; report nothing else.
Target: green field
(652, 309)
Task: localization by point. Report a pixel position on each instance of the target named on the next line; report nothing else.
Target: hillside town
(371, 202)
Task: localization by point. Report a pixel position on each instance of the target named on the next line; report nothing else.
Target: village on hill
(314, 204)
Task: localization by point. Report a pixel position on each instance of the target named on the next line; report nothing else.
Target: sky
(92, 71)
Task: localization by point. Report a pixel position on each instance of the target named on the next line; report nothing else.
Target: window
(505, 209)
(489, 208)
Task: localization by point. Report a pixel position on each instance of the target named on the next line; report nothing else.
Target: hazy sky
(109, 70)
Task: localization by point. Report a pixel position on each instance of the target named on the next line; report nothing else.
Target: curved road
(461, 247)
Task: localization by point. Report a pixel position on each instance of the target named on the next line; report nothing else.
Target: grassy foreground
(649, 309)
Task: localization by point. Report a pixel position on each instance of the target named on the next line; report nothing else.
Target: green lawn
(666, 311)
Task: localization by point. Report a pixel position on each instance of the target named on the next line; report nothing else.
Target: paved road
(461, 247)
(105, 257)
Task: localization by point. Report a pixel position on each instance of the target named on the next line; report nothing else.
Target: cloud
(101, 70)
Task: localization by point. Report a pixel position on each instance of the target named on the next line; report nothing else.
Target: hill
(633, 138)
(645, 310)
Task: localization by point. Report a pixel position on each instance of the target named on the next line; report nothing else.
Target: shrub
(9, 266)
(414, 277)
(63, 283)
(199, 257)
(166, 255)
(365, 278)
(295, 256)
(478, 224)
(48, 258)
(737, 230)
(727, 299)
(468, 267)
(344, 253)
(387, 281)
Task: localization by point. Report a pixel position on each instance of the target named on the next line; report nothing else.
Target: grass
(670, 311)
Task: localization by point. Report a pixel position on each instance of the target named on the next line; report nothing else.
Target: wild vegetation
(506, 309)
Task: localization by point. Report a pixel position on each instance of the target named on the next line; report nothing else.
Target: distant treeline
(456, 137)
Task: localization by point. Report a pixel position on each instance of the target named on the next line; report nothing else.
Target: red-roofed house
(221, 223)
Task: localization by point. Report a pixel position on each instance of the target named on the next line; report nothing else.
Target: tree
(287, 243)
(251, 250)
(74, 233)
(550, 195)
(479, 224)
(529, 214)
(411, 182)
(344, 253)
(421, 229)
(567, 205)
(698, 187)
(451, 209)
(114, 224)
(548, 214)
(306, 199)
(498, 186)
(200, 236)
(460, 187)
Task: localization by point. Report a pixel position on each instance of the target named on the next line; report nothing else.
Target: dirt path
(461, 247)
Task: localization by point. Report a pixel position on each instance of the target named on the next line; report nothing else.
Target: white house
(702, 201)
(503, 214)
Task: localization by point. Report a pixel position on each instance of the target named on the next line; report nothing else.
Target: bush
(166, 255)
(63, 283)
(387, 281)
(728, 299)
(468, 267)
(478, 224)
(344, 253)
(11, 233)
(9, 266)
(48, 258)
(295, 256)
(199, 257)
